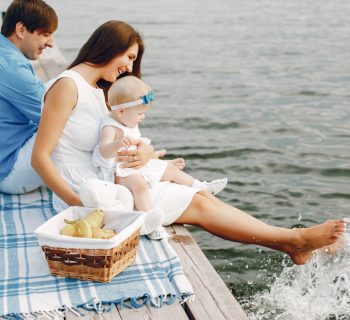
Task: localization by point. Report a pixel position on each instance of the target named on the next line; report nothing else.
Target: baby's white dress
(151, 172)
(72, 155)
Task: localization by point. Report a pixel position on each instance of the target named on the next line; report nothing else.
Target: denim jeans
(23, 177)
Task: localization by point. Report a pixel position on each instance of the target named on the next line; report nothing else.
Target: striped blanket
(26, 286)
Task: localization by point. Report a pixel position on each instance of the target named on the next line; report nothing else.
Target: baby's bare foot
(160, 153)
(178, 162)
(310, 239)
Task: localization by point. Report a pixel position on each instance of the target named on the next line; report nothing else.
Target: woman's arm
(60, 100)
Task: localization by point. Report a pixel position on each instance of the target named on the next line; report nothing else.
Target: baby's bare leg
(139, 188)
(174, 174)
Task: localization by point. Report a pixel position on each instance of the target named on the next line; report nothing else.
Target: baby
(130, 98)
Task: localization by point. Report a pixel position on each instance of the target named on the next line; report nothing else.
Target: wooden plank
(173, 311)
(170, 312)
(91, 315)
(213, 299)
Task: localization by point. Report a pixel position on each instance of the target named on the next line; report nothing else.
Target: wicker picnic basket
(90, 259)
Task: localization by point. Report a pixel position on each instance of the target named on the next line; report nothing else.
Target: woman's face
(121, 64)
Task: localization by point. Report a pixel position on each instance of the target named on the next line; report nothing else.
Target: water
(257, 91)
(317, 290)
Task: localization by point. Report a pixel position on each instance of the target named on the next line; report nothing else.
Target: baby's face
(131, 117)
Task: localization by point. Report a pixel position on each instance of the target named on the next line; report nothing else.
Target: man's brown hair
(36, 15)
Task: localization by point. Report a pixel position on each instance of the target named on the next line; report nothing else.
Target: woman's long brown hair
(108, 41)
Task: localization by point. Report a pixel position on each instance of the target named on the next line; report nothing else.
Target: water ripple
(238, 153)
(294, 169)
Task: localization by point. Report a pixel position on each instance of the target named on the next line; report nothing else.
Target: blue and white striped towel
(26, 285)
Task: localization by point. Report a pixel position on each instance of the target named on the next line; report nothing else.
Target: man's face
(35, 42)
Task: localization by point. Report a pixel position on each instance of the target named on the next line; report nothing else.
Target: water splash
(318, 290)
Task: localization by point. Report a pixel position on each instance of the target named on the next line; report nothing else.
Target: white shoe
(158, 234)
(215, 186)
(153, 220)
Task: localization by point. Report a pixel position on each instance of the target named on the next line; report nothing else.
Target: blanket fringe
(98, 306)
(39, 315)
(189, 297)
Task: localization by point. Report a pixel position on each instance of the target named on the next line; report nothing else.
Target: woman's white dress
(73, 152)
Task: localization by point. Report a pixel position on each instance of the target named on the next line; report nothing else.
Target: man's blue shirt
(21, 96)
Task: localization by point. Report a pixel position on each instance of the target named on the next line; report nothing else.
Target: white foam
(318, 290)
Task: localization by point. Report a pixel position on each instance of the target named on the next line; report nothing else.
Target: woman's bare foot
(333, 248)
(310, 239)
(178, 162)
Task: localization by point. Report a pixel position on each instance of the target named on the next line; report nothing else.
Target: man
(26, 31)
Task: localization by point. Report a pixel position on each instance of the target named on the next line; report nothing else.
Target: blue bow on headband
(147, 98)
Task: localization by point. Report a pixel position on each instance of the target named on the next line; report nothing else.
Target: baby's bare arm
(111, 140)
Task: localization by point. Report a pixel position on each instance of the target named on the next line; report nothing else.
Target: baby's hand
(125, 142)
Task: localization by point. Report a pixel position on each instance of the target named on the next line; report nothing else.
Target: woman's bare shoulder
(65, 83)
(64, 89)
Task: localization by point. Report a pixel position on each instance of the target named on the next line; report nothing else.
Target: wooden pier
(214, 301)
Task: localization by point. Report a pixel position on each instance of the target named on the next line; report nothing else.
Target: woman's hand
(136, 158)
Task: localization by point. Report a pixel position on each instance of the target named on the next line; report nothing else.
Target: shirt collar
(8, 45)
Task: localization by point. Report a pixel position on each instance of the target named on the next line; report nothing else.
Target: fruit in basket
(95, 218)
(88, 227)
(82, 225)
(99, 233)
(70, 230)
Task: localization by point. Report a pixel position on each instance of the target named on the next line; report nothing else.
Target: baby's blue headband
(146, 99)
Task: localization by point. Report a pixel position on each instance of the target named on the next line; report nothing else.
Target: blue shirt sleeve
(23, 90)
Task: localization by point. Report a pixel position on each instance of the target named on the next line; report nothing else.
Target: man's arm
(20, 88)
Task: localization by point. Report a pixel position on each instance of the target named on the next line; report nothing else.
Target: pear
(99, 233)
(82, 225)
(95, 218)
(88, 227)
(69, 230)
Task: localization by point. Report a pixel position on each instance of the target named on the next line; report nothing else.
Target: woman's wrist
(75, 201)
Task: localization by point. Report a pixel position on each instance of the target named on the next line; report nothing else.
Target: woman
(68, 132)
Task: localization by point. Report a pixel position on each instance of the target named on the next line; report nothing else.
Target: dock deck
(214, 301)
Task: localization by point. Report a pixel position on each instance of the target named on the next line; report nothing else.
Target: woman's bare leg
(233, 224)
